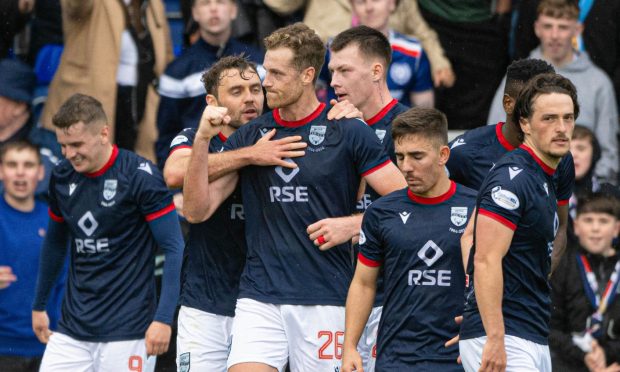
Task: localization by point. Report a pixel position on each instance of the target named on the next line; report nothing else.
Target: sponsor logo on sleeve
(505, 198)
(362, 239)
(178, 140)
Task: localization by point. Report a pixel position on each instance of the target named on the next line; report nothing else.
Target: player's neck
(550, 161)
(227, 130)
(509, 132)
(22, 205)
(376, 102)
(441, 187)
(305, 105)
(104, 158)
(216, 39)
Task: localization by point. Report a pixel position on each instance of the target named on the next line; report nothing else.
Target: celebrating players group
(350, 237)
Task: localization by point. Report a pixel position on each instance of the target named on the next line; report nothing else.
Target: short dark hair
(559, 9)
(521, 71)
(19, 145)
(599, 202)
(308, 49)
(585, 133)
(370, 42)
(428, 122)
(211, 78)
(542, 84)
(79, 107)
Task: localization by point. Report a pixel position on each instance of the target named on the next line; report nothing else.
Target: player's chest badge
(109, 192)
(458, 215)
(317, 134)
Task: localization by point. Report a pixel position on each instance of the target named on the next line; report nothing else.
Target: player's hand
(343, 109)
(212, 121)
(493, 356)
(351, 361)
(177, 199)
(615, 367)
(595, 359)
(6, 276)
(41, 326)
(455, 340)
(330, 232)
(266, 152)
(444, 77)
(157, 338)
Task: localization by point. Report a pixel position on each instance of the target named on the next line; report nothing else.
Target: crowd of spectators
(450, 54)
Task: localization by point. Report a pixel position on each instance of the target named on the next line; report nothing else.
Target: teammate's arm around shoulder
(176, 167)
(386, 179)
(359, 305)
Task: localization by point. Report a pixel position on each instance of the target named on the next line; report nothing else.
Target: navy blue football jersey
(110, 293)
(283, 265)
(381, 123)
(215, 250)
(519, 194)
(417, 241)
(475, 152)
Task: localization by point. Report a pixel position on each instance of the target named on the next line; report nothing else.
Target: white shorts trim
(522, 355)
(367, 347)
(310, 338)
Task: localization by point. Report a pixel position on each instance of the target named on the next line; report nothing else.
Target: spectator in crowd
(114, 51)
(17, 82)
(182, 93)
(14, 15)
(585, 318)
(330, 17)
(600, 36)
(23, 225)
(556, 27)
(45, 28)
(474, 35)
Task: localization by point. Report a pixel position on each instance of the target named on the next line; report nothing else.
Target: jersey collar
(107, 165)
(297, 123)
(381, 114)
(547, 169)
(500, 137)
(222, 137)
(434, 200)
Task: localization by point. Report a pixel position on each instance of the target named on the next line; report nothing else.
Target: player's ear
(444, 154)
(524, 123)
(508, 103)
(377, 72)
(307, 75)
(104, 132)
(211, 100)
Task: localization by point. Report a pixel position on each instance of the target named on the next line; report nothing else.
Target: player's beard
(281, 99)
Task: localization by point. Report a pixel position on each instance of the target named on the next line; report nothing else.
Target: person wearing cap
(17, 82)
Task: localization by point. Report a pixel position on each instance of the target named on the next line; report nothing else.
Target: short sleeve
(371, 250)
(368, 152)
(150, 192)
(183, 140)
(237, 139)
(564, 179)
(503, 195)
(54, 209)
(458, 161)
(423, 78)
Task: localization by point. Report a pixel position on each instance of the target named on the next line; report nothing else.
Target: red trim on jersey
(367, 261)
(500, 136)
(222, 137)
(107, 165)
(155, 215)
(297, 123)
(403, 50)
(562, 202)
(55, 217)
(436, 199)
(542, 164)
(382, 113)
(179, 148)
(503, 220)
(376, 168)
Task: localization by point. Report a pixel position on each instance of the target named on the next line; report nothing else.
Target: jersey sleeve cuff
(376, 168)
(367, 261)
(179, 148)
(562, 202)
(503, 220)
(55, 217)
(155, 215)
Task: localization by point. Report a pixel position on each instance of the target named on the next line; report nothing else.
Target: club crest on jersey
(109, 189)
(458, 215)
(400, 73)
(381, 134)
(504, 198)
(184, 362)
(317, 134)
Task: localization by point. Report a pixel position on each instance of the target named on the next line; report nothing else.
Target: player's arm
(467, 240)
(423, 99)
(51, 263)
(176, 167)
(492, 242)
(167, 234)
(330, 232)
(559, 244)
(359, 305)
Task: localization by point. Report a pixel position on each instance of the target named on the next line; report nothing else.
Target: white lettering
(364, 202)
(430, 277)
(92, 245)
(236, 212)
(288, 194)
